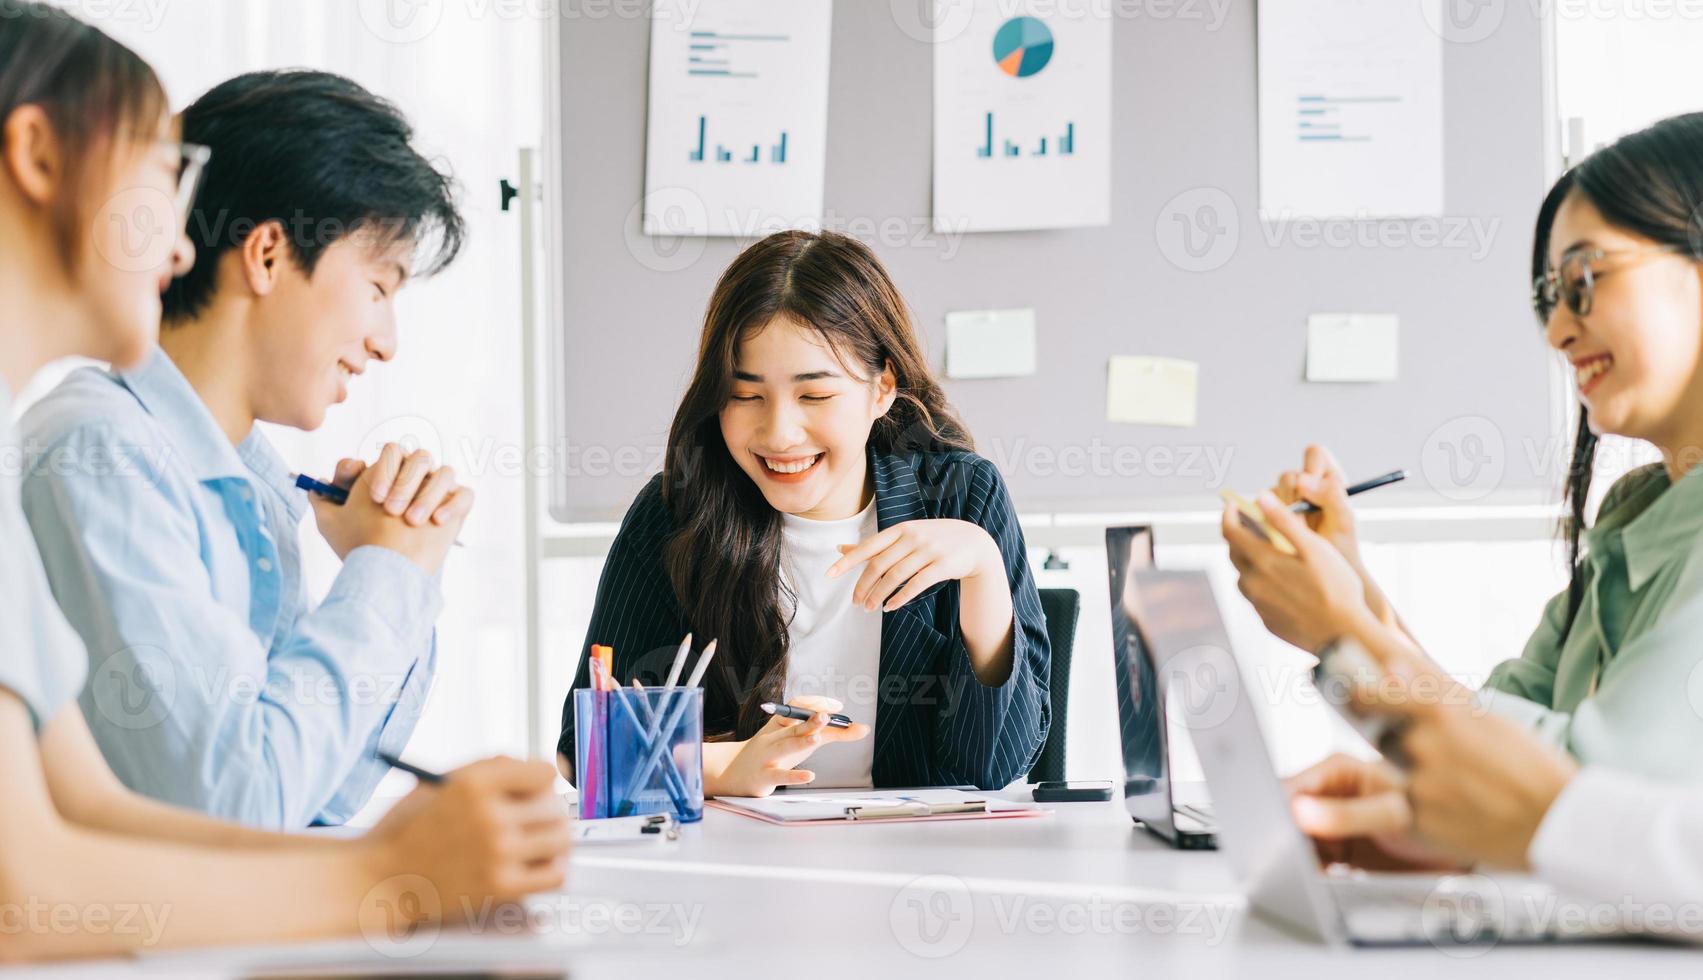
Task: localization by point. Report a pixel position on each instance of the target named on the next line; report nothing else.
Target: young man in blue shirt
(167, 522)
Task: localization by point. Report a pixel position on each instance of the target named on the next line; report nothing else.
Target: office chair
(1062, 608)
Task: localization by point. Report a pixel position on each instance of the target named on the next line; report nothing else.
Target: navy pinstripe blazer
(936, 724)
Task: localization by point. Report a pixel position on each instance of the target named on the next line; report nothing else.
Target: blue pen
(336, 495)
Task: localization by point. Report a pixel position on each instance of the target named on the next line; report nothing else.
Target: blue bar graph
(697, 155)
(1065, 146)
(777, 151)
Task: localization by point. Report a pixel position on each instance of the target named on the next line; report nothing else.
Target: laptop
(1183, 630)
(1142, 723)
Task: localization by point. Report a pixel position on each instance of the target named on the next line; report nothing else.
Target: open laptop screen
(1141, 718)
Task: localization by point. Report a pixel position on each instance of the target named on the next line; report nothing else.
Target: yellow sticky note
(1152, 391)
(1253, 517)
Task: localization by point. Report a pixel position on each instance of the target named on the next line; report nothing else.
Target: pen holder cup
(638, 753)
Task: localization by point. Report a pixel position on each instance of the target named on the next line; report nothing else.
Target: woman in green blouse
(1612, 673)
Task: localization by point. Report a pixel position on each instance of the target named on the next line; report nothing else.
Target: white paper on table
(1353, 347)
(1152, 391)
(737, 136)
(1350, 108)
(1018, 146)
(990, 344)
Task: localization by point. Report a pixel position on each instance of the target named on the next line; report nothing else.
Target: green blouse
(1624, 688)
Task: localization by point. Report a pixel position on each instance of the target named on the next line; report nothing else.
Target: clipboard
(891, 806)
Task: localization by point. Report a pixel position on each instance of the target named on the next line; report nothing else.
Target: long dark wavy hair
(1649, 183)
(98, 94)
(723, 559)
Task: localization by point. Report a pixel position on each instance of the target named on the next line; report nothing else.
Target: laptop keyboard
(1419, 910)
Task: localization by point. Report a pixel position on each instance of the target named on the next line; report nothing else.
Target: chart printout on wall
(738, 124)
(1023, 118)
(1350, 109)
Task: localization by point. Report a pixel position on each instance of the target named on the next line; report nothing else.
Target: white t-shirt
(835, 647)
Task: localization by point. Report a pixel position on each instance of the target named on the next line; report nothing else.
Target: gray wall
(1184, 114)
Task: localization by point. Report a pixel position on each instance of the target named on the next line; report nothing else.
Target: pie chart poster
(1023, 117)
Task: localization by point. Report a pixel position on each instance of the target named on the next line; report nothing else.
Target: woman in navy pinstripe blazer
(822, 516)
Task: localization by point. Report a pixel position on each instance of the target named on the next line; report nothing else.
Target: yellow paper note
(1255, 518)
(1152, 391)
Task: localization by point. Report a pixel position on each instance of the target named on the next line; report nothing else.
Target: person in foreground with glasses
(90, 169)
(1611, 675)
(184, 564)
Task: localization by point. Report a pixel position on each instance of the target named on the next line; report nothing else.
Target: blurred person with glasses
(1613, 674)
(93, 182)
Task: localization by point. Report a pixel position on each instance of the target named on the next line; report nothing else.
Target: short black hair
(322, 156)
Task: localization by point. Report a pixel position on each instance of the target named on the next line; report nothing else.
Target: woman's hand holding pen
(764, 761)
(1321, 482)
(1309, 598)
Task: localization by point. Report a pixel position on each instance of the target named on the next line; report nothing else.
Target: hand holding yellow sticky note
(1255, 518)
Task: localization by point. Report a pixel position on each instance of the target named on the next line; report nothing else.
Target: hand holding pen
(767, 760)
(402, 502)
(1305, 598)
(1319, 490)
(493, 829)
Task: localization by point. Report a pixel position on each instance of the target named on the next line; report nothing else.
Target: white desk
(1080, 893)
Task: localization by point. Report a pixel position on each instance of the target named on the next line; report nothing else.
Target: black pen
(423, 775)
(803, 714)
(1395, 476)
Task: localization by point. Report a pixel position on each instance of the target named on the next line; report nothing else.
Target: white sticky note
(1152, 391)
(990, 344)
(1353, 347)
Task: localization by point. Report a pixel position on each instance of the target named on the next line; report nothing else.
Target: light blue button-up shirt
(214, 682)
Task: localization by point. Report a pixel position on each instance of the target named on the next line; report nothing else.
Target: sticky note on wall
(1152, 391)
(1352, 347)
(990, 344)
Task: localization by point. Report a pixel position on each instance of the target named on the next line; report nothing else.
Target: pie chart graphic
(1022, 47)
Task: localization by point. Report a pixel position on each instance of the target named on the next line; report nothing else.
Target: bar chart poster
(736, 139)
(1350, 109)
(1023, 117)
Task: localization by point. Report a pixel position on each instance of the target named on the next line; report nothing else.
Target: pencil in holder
(640, 752)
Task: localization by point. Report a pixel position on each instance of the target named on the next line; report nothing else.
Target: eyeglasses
(190, 168)
(1574, 283)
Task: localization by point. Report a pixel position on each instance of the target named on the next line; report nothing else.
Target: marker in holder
(640, 752)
